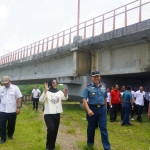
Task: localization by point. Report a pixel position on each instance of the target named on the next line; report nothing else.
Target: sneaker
(132, 119)
(129, 124)
(123, 124)
(10, 137)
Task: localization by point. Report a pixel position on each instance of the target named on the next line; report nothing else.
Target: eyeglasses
(54, 82)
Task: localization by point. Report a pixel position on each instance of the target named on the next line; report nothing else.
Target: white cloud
(3, 15)
(3, 11)
(92, 15)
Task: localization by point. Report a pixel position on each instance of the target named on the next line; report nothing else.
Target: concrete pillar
(94, 57)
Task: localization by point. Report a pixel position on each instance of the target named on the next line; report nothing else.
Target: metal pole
(78, 18)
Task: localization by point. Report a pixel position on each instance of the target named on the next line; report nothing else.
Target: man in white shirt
(35, 97)
(139, 102)
(10, 103)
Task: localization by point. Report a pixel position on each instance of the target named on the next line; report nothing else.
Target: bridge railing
(123, 16)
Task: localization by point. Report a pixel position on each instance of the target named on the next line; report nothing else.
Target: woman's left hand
(65, 92)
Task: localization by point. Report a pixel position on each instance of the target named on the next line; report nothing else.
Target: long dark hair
(50, 84)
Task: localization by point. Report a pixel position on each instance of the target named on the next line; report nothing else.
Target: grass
(30, 131)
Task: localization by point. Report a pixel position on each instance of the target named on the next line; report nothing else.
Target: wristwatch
(18, 107)
(132, 106)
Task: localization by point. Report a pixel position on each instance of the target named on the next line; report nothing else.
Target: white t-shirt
(52, 102)
(132, 92)
(139, 98)
(36, 93)
(8, 97)
(108, 96)
(147, 95)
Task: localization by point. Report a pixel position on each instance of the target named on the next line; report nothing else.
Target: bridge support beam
(81, 62)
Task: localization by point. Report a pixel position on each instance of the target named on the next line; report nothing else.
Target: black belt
(98, 106)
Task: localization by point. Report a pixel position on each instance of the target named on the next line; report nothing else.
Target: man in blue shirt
(127, 103)
(96, 109)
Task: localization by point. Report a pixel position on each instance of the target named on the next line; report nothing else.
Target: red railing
(128, 14)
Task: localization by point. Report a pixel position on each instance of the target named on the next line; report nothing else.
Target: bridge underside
(122, 56)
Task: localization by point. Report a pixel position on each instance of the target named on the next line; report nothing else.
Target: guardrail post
(27, 52)
(103, 24)
(70, 37)
(114, 20)
(47, 44)
(63, 38)
(140, 11)
(34, 47)
(43, 46)
(38, 47)
(93, 30)
(57, 40)
(125, 21)
(52, 42)
(85, 30)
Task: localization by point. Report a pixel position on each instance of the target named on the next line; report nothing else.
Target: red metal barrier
(106, 22)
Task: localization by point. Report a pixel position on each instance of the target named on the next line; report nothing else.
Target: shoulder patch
(88, 84)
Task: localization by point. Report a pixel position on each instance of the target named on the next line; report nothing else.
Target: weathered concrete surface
(57, 63)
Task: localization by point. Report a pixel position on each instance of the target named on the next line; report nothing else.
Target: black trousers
(35, 103)
(113, 112)
(8, 119)
(52, 122)
(133, 111)
(146, 104)
(139, 112)
(108, 107)
(122, 113)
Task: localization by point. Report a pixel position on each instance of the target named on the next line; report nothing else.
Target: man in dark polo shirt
(96, 109)
(114, 102)
(127, 103)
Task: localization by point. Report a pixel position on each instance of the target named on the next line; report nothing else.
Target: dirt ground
(68, 141)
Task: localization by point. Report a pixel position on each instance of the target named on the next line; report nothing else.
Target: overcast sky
(23, 22)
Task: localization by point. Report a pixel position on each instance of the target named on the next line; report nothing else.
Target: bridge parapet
(112, 20)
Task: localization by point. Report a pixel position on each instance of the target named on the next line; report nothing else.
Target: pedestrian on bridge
(96, 109)
(10, 103)
(52, 98)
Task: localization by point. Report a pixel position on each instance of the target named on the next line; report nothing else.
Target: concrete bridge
(122, 56)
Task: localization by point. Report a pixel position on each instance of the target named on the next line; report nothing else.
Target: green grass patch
(31, 131)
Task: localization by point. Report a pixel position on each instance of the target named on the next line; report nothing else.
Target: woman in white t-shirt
(52, 98)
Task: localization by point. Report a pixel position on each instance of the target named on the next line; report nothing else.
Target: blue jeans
(126, 109)
(100, 117)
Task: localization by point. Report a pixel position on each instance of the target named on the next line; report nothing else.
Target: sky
(23, 22)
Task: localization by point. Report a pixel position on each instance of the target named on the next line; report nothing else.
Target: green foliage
(27, 89)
